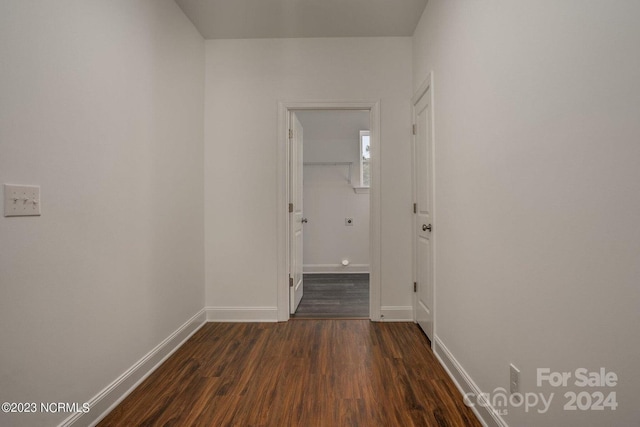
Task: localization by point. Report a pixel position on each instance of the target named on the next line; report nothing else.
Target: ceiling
(242, 19)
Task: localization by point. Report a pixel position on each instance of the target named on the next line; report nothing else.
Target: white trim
(434, 210)
(282, 247)
(242, 314)
(487, 416)
(396, 313)
(107, 399)
(335, 268)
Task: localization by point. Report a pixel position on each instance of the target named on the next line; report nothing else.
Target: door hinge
(290, 282)
(413, 129)
(290, 207)
(415, 208)
(415, 286)
(290, 133)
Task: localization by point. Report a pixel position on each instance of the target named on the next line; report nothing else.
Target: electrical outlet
(348, 221)
(21, 200)
(514, 382)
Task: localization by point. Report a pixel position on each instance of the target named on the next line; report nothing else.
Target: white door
(423, 227)
(295, 215)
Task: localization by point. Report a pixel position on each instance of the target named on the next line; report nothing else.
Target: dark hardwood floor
(304, 373)
(334, 296)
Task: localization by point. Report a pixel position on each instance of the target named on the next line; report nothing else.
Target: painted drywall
(245, 79)
(329, 196)
(536, 124)
(102, 106)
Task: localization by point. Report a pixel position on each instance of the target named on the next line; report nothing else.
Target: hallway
(301, 373)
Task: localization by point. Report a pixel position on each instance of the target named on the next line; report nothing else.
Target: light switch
(21, 200)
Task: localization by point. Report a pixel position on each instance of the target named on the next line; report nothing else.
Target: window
(365, 158)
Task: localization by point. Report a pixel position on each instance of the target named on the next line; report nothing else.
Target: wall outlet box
(21, 200)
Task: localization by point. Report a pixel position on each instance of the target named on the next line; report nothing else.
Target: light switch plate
(21, 200)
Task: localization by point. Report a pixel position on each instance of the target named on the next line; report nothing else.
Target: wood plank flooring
(307, 373)
(334, 296)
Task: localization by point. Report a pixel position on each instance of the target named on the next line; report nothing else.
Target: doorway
(334, 218)
(288, 214)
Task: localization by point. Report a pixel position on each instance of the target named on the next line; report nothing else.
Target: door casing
(283, 174)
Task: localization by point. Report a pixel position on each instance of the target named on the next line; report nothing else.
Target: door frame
(427, 85)
(282, 198)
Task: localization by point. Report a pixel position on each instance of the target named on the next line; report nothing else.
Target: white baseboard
(335, 268)
(107, 399)
(396, 313)
(486, 414)
(242, 314)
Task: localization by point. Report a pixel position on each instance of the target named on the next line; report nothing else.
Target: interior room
(146, 174)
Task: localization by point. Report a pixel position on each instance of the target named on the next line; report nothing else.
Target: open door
(295, 213)
(423, 242)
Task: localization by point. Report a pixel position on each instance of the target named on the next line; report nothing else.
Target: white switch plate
(21, 200)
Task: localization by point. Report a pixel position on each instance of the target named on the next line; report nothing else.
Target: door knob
(304, 220)
(426, 227)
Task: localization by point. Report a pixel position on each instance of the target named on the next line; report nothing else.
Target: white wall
(101, 105)
(537, 182)
(244, 81)
(329, 196)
